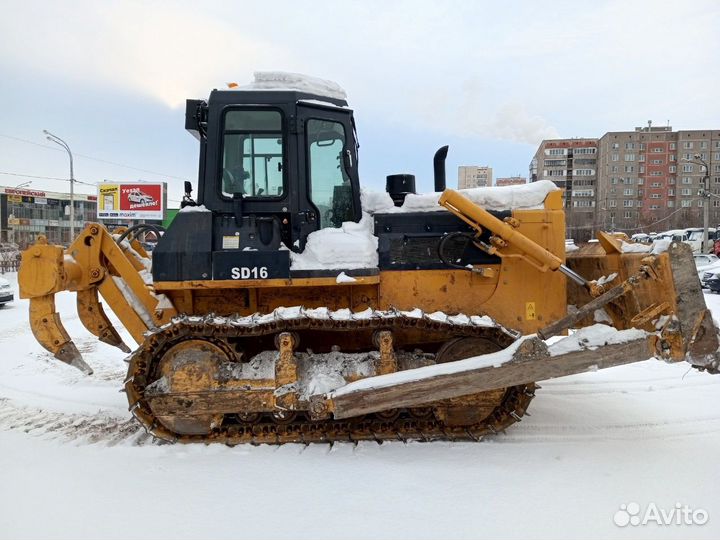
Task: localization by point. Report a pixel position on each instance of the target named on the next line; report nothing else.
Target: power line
(94, 158)
(47, 178)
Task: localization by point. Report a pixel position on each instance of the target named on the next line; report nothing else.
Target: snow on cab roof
(297, 82)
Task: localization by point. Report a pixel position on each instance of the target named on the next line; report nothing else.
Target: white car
(6, 292)
(139, 197)
(706, 264)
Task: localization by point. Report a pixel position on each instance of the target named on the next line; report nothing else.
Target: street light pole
(57, 140)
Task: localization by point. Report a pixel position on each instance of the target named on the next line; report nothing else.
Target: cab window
(330, 188)
(252, 161)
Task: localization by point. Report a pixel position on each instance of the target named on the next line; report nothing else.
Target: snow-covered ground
(72, 464)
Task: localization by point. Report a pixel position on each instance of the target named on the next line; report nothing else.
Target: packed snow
(351, 246)
(284, 81)
(497, 198)
(75, 465)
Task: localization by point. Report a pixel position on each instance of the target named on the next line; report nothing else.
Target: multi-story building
(474, 176)
(26, 213)
(572, 165)
(634, 181)
(511, 181)
(649, 183)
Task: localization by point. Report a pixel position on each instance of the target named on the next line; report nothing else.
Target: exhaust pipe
(439, 168)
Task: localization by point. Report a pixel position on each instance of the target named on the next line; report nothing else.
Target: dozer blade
(94, 319)
(50, 333)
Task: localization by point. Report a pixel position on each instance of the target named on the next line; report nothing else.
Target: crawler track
(403, 424)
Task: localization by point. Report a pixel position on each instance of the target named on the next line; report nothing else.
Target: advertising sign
(130, 201)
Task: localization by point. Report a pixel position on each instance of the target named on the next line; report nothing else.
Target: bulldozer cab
(275, 165)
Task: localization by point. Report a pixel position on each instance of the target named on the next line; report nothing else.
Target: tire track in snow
(100, 428)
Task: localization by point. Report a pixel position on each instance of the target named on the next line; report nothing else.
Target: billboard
(131, 201)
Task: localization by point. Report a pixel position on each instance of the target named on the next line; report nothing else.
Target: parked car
(6, 292)
(706, 264)
(712, 280)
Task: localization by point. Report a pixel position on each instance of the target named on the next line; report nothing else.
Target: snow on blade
(350, 246)
(634, 248)
(660, 246)
(593, 337)
(285, 81)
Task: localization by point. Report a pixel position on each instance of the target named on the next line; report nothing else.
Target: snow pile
(342, 277)
(593, 337)
(604, 280)
(660, 246)
(527, 196)
(627, 247)
(376, 202)
(350, 246)
(285, 81)
(200, 208)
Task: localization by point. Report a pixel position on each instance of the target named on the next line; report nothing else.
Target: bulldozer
(285, 305)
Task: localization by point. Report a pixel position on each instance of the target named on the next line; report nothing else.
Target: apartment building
(648, 181)
(474, 176)
(572, 165)
(511, 181)
(635, 181)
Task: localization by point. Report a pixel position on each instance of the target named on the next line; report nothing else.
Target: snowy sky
(489, 78)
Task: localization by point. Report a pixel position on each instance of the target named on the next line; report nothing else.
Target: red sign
(145, 197)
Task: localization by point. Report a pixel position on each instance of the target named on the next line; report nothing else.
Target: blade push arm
(503, 235)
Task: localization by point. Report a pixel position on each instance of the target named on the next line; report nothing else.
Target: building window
(703, 145)
(629, 192)
(629, 146)
(627, 203)
(628, 215)
(685, 191)
(615, 156)
(639, 204)
(671, 180)
(655, 184)
(672, 168)
(688, 167)
(671, 192)
(615, 146)
(629, 168)
(657, 149)
(717, 156)
(687, 145)
(629, 157)
(671, 204)
(613, 203)
(673, 157)
(716, 203)
(685, 204)
(673, 146)
(587, 150)
(614, 168)
(656, 161)
(656, 173)
(641, 157)
(700, 203)
(654, 195)
(555, 152)
(584, 172)
(686, 180)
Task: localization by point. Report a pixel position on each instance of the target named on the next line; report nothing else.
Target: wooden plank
(531, 362)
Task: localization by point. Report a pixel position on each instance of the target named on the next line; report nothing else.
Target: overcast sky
(491, 79)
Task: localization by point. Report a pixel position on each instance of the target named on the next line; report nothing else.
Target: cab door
(330, 192)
